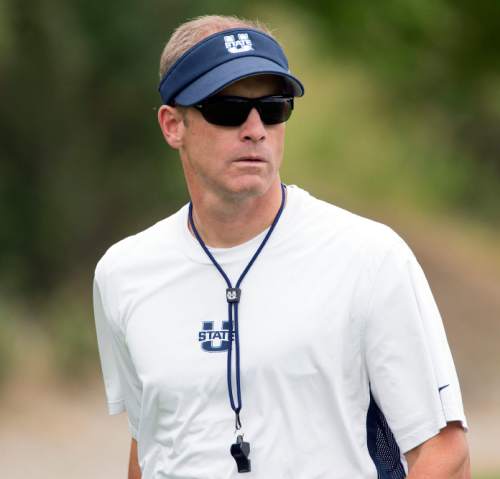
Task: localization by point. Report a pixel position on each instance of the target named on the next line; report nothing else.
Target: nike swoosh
(442, 387)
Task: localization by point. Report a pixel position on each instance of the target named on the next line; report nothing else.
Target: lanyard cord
(233, 298)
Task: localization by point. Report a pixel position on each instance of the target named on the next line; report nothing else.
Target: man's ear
(171, 121)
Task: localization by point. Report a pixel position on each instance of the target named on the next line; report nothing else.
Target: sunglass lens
(275, 110)
(226, 112)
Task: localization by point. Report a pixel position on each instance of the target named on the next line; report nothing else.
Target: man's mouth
(250, 159)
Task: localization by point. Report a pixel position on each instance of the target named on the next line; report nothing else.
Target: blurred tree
(82, 159)
(439, 54)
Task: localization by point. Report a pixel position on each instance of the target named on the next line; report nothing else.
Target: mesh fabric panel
(382, 445)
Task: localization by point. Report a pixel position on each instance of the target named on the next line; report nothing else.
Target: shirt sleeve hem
(418, 436)
(411, 440)
(132, 429)
(455, 414)
(116, 407)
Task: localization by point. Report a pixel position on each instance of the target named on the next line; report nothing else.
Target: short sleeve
(410, 367)
(122, 385)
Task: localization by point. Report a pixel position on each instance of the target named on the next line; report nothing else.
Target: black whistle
(240, 451)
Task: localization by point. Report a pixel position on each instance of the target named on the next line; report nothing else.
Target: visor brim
(232, 71)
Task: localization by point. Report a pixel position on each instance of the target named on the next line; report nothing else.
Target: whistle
(240, 451)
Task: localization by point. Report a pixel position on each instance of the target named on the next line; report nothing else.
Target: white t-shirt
(336, 323)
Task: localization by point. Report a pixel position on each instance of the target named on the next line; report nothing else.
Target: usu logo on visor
(242, 44)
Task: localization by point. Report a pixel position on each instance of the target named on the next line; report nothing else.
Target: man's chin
(248, 187)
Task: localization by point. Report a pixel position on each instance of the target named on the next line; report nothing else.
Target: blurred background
(400, 123)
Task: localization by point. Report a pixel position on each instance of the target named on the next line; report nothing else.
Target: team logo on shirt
(214, 340)
(242, 44)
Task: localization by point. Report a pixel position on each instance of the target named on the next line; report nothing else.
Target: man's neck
(223, 224)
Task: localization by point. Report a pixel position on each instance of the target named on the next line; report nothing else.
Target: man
(258, 329)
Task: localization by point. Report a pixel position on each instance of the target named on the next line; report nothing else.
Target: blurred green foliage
(441, 54)
(82, 161)
(71, 332)
(7, 354)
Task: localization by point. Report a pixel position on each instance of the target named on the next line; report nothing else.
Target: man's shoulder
(332, 217)
(144, 243)
(374, 252)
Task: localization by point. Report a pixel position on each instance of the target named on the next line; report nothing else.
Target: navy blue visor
(221, 59)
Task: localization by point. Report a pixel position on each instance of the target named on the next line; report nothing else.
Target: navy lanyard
(233, 298)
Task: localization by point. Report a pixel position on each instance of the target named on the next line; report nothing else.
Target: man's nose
(253, 129)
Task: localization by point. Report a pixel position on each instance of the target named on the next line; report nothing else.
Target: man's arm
(134, 471)
(445, 456)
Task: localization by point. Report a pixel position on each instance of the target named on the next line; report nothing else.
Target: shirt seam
(364, 317)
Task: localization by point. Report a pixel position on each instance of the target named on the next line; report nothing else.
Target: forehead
(256, 86)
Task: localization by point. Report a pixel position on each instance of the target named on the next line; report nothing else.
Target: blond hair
(191, 32)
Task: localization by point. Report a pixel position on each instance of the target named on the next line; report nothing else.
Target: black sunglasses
(234, 110)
